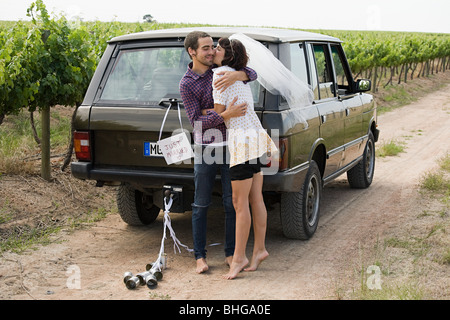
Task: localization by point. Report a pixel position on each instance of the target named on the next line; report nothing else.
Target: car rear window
(145, 76)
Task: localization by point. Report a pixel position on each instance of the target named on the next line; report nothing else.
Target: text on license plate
(151, 149)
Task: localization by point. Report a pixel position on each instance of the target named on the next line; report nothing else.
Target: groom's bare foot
(257, 258)
(201, 265)
(235, 268)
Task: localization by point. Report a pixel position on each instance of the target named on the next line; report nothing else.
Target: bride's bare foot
(257, 258)
(228, 260)
(201, 265)
(235, 268)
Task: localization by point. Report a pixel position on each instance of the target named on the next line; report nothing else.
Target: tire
(300, 211)
(135, 207)
(361, 175)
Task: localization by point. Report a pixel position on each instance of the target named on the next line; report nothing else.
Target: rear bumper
(286, 181)
(146, 179)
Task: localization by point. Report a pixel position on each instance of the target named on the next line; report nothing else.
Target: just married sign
(176, 148)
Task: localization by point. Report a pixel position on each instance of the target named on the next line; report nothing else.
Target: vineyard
(388, 55)
(50, 60)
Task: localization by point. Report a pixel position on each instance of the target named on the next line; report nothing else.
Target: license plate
(151, 149)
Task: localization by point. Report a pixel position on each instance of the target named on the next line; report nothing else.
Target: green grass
(17, 145)
(396, 281)
(402, 291)
(23, 237)
(389, 149)
(435, 181)
(413, 255)
(5, 215)
(438, 180)
(444, 163)
(446, 256)
(396, 96)
(19, 155)
(91, 217)
(159, 296)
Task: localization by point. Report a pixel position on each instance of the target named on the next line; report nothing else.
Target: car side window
(313, 73)
(341, 75)
(324, 71)
(298, 61)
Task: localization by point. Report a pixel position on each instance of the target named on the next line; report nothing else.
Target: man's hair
(191, 40)
(235, 54)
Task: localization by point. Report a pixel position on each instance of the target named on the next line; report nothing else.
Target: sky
(379, 15)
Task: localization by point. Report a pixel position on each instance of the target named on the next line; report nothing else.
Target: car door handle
(324, 118)
(347, 112)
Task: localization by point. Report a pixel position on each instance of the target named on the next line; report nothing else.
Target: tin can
(163, 260)
(162, 263)
(132, 283)
(158, 274)
(126, 276)
(141, 276)
(151, 281)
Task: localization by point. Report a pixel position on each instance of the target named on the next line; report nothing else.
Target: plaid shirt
(196, 93)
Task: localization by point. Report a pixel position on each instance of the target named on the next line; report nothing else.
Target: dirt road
(322, 268)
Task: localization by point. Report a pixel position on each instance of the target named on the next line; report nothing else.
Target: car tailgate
(128, 136)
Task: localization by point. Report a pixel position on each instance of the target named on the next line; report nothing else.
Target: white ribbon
(165, 117)
(167, 224)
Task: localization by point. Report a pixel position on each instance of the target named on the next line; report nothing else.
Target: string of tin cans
(153, 272)
(150, 277)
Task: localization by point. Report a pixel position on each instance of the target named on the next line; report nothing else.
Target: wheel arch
(373, 128)
(319, 155)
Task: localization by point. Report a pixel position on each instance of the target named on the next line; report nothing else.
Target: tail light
(284, 155)
(82, 145)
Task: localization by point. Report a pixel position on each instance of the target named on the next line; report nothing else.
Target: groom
(210, 138)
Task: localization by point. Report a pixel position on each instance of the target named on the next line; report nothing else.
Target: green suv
(118, 125)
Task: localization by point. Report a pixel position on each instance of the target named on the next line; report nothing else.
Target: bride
(248, 143)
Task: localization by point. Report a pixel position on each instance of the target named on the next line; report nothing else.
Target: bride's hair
(235, 54)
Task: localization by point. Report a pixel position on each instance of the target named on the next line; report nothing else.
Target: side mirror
(363, 85)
